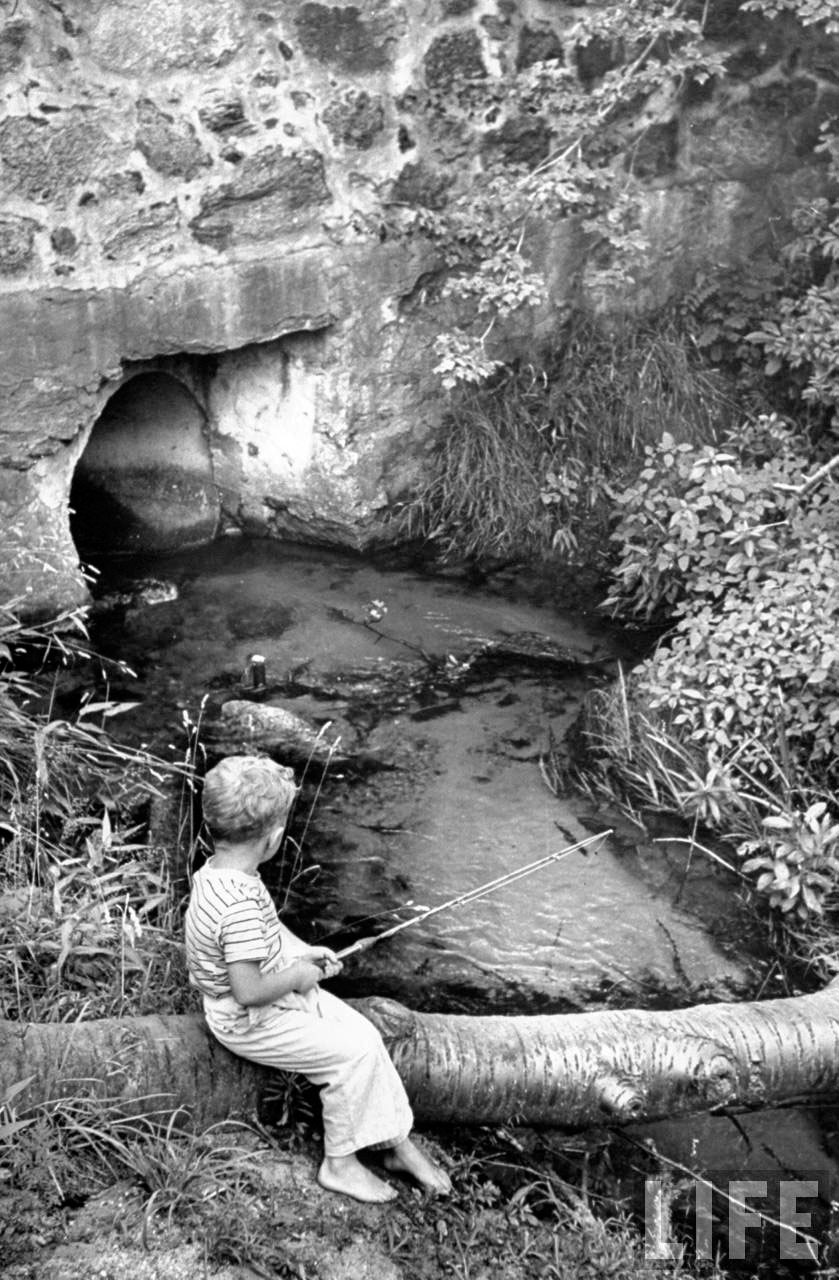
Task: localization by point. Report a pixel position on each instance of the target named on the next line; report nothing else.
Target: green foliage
(520, 471)
(99, 938)
(483, 235)
(238, 1194)
(698, 523)
(808, 12)
(797, 860)
(462, 359)
(721, 310)
(801, 334)
(734, 720)
(483, 501)
(88, 917)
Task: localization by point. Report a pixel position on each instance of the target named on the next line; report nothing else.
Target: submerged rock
(244, 727)
(149, 591)
(533, 648)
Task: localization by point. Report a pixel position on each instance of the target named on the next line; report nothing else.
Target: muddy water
(467, 801)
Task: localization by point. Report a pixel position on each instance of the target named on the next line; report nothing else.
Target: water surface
(467, 800)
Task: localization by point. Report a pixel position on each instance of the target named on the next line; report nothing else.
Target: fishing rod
(471, 895)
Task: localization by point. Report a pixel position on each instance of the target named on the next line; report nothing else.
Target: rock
(522, 140)
(244, 727)
(140, 233)
(595, 59)
(538, 44)
(272, 190)
(44, 162)
(137, 37)
(149, 591)
(452, 58)
(17, 240)
(353, 39)
(222, 112)
(739, 145)
(533, 649)
(497, 28)
(12, 40)
(421, 184)
(356, 118)
(64, 241)
(656, 152)
(170, 148)
(123, 185)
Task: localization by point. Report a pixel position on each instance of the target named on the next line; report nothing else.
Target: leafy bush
(698, 523)
(801, 334)
(734, 720)
(797, 860)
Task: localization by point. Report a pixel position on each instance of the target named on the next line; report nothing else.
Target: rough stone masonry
(211, 314)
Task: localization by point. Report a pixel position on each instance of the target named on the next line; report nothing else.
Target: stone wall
(212, 189)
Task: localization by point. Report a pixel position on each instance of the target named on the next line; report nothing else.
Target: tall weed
(88, 919)
(531, 466)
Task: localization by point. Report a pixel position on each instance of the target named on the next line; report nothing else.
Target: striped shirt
(230, 917)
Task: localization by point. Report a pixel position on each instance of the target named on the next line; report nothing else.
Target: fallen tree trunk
(571, 1070)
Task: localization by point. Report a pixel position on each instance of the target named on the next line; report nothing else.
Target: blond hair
(244, 796)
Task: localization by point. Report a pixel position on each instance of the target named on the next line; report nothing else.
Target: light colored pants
(364, 1101)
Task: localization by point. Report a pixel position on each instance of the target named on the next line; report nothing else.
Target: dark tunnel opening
(144, 483)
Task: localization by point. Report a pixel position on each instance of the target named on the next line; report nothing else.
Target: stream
(467, 801)
(459, 798)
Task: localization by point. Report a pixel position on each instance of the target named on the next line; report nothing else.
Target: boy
(261, 994)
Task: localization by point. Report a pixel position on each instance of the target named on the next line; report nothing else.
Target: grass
(89, 916)
(483, 502)
(529, 466)
(774, 833)
(522, 1205)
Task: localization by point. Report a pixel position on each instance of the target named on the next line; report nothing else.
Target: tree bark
(570, 1070)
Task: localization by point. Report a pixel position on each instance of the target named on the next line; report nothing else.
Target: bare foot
(349, 1177)
(406, 1157)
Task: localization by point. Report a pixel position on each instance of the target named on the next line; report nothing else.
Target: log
(567, 1070)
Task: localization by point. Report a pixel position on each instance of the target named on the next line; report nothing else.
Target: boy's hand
(325, 959)
(307, 974)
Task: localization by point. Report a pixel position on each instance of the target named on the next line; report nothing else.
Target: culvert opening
(144, 483)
